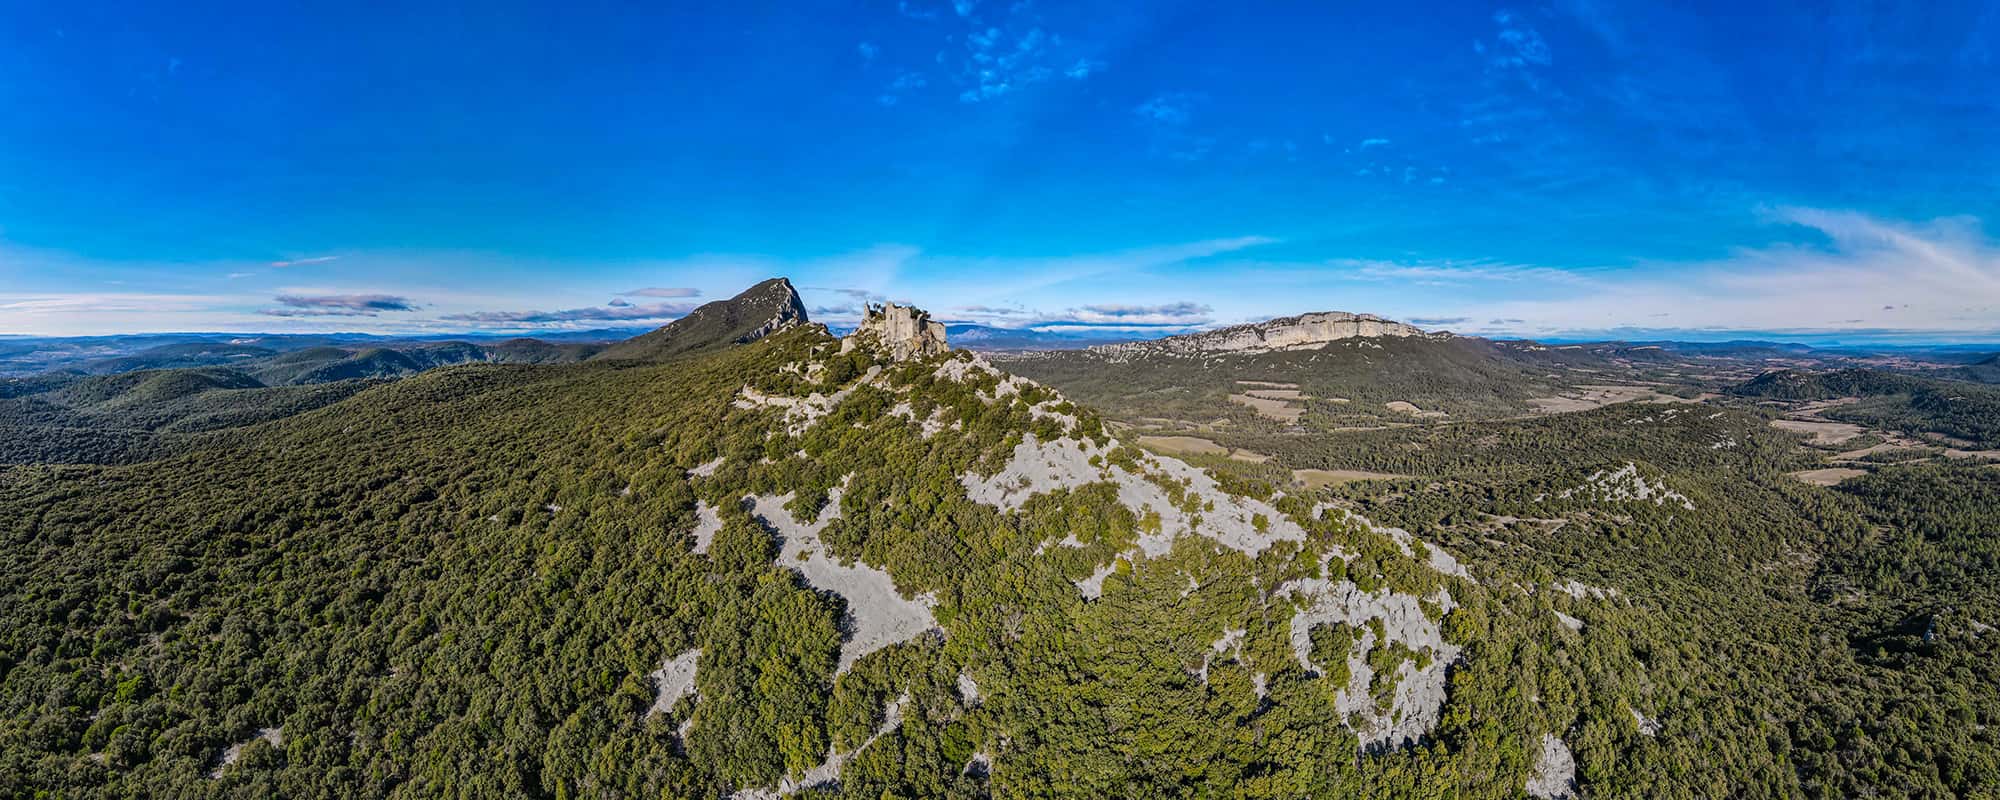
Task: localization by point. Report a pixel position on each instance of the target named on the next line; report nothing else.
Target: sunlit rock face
(1305, 331)
(905, 331)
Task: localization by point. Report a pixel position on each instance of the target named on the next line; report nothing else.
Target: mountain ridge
(756, 312)
(1300, 332)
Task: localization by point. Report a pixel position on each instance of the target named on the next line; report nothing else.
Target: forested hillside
(1965, 411)
(1350, 381)
(1985, 370)
(252, 353)
(798, 565)
(118, 411)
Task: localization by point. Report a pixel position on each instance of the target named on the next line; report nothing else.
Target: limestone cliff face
(1305, 331)
(906, 332)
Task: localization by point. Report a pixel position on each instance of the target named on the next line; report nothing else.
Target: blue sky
(1561, 168)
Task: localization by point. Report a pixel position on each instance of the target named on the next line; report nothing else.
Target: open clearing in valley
(1884, 447)
(1280, 401)
(1279, 410)
(1407, 407)
(1822, 433)
(1585, 397)
(1177, 445)
(1197, 446)
(1316, 478)
(1828, 476)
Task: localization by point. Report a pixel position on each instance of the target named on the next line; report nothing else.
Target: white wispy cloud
(996, 311)
(905, 83)
(1175, 316)
(606, 313)
(300, 262)
(986, 279)
(662, 291)
(1450, 273)
(858, 295)
(1523, 44)
(999, 62)
(64, 303)
(915, 11)
(1006, 48)
(1167, 108)
(1517, 56)
(1868, 273)
(1180, 315)
(1164, 119)
(338, 305)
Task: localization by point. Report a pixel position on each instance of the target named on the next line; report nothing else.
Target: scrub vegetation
(480, 580)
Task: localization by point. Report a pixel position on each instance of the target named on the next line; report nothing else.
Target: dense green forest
(137, 416)
(1969, 412)
(1346, 382)
(461, 582)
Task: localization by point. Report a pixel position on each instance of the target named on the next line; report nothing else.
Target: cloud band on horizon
(338, 305)
(607, 313)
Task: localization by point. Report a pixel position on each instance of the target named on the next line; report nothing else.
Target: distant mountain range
(28, 355)
(98, 355)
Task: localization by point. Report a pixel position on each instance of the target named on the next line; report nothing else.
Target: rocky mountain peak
(905, 331)
(776, 296)
(753, 314)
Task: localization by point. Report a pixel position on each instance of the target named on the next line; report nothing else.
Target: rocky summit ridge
(905, 331)
(1302, 332)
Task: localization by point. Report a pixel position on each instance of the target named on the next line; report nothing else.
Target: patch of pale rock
(1626, 484)
(1647, 726)
(882, 616)
(1038, 467)
(707, 469)
(275, 736)
(827, 772)
(1555, 770)
(1419, 697)
(673, 681)
(708, 522)
(802, 412)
